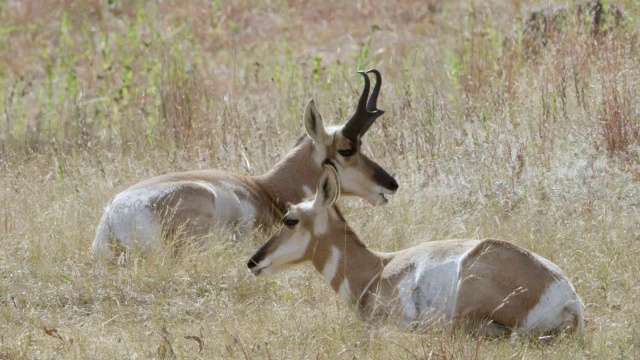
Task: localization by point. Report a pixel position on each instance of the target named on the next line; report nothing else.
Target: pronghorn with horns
(191, 204)
(492, 286)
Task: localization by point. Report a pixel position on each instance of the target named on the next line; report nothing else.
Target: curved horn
(354, 126)
(371, 105)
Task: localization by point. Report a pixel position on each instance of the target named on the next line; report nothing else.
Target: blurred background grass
(493, 129)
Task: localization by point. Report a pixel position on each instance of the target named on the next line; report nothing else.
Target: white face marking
(306, 206)
(354, 181)
(321, 149)
(331, 266)
(345, 291)
(289, 251)
(558, 306)
(320, 154)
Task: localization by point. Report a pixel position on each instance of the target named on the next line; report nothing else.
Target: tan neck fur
(355, 263)
(286, 181)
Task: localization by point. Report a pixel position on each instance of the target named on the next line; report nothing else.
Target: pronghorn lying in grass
(494, 286)
(191, 204)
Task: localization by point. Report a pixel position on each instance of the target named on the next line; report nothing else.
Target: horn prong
(354, 126)
(372, 107)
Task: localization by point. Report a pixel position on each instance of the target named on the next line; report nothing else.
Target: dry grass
(486, 138)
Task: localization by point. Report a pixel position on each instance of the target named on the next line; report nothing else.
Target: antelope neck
(293, 178)
(346, 263)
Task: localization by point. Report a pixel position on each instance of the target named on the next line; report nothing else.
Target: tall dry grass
(487, 137)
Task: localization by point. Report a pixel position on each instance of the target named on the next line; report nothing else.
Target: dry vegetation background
(487, 138)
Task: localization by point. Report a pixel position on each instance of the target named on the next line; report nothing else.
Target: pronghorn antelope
(191, 204)
(489, 285)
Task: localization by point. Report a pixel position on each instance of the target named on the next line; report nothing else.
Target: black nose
(384, 179)
(257, 257)
(251, 264)
(392, 185)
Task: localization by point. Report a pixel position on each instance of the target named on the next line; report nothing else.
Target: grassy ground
(487, 135)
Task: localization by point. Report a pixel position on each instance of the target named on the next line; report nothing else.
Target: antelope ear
(313, 124)
(328, 189)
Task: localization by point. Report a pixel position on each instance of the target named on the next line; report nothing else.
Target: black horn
(353, 127)
(372, 108)
(366, 112)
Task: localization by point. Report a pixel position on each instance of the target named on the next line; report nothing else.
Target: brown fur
(504, 295)
(467, 281)
(189, 211)
(357, 263)
(190, 208)
(500, 283)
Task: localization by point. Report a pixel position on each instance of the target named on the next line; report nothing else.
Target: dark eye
(290, 223)
(346, 153)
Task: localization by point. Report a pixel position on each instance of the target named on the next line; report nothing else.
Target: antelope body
(492, 285)
(192, 204)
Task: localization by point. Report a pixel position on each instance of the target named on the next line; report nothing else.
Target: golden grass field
(487, 134)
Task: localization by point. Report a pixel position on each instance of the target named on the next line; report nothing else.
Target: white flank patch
(229, 208)
(430, 290)
(331, 266)
(321, 223)
(557, 307)
(345, 291)
(408, 304)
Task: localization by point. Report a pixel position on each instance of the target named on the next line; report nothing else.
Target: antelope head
(341, 146)
(304, 225)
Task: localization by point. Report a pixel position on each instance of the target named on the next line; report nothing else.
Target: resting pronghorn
(492, 284)
(191, 204)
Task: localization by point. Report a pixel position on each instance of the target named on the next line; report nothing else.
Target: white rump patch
(558, 307)
(130, 219)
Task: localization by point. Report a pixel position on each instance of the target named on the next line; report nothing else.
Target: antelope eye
(346, 153)
(290, 223)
